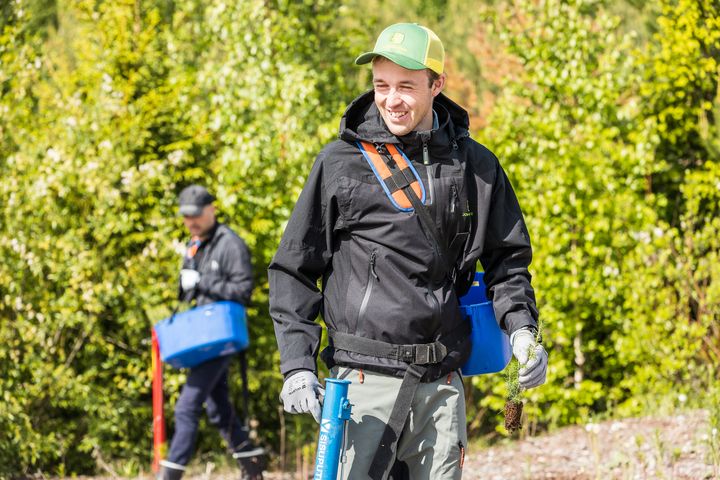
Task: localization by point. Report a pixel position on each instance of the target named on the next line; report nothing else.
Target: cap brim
(190, 210)
(401, 60)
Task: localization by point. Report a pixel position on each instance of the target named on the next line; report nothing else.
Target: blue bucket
(491, 350)
(202, 333)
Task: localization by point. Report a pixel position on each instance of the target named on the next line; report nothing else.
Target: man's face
(201, 225)
(404, 97)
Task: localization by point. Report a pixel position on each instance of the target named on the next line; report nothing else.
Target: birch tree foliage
(104, 121)
(108, 109)
(570, 132)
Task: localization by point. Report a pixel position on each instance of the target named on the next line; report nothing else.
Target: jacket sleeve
(506, 257)
(302, 258)
(236, 281)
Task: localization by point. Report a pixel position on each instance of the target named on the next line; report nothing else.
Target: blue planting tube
(335, 412)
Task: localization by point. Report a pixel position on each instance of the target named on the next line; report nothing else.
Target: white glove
(532, 357)
(301, 393)
(189, 279)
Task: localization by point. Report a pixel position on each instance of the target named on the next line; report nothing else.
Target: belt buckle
(424, 354)
(407, 353)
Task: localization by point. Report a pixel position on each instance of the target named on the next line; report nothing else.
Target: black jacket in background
(380, 276)
(223, 261)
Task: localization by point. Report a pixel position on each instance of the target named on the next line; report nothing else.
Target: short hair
(432, 76)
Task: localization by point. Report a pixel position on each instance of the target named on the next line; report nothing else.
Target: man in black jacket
(216, 267)
(392, 219)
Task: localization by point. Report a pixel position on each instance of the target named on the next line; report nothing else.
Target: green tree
(678, 262)
(594, 140)
(104, 122)
(108, 109)
(569, 130)
(680, 84)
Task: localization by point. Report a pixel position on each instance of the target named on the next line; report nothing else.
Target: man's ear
(438, 85)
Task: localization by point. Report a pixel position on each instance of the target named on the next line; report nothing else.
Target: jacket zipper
(425, 136)
(453, 198)
(429, 169)
(431, 185)
(372, 277)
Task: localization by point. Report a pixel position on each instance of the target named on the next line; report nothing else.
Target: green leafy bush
(108, 109)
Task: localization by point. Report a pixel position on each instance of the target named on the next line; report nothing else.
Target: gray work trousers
(433, 440)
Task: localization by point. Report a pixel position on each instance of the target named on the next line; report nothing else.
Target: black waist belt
(417, 353)
(418, 356)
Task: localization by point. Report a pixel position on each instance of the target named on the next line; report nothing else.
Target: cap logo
(397, 37)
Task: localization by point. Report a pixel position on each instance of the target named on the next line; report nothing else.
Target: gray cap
(193, 199)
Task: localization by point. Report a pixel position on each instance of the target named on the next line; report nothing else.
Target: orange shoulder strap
(394, 183)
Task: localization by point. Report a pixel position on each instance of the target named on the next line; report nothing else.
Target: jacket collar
(214, 233)
(362, 122)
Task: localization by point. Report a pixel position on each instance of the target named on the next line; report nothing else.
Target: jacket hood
(362, 122)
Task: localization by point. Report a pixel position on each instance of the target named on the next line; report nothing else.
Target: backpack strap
(394, 183)
(402, 188)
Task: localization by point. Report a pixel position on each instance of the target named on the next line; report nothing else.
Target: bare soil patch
(674, 447)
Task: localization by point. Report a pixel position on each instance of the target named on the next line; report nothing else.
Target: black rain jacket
(381, 277)
(223, 261)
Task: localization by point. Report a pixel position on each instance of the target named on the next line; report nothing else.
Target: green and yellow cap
(409, 45)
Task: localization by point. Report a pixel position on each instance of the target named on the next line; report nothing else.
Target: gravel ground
(668, 448)
(645, 448)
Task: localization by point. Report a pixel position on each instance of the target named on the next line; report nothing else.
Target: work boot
(170, 471)
(251, 460)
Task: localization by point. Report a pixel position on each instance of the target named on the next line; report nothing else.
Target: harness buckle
(425, 354)
(422, 353)
(407, 353)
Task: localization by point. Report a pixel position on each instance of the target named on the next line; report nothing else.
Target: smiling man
(402, 96)
(392, 220)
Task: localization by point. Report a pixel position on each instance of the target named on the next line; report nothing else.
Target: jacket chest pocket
(449, 205)
(458, 219)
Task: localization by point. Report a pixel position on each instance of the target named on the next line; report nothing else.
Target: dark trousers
(206, 384)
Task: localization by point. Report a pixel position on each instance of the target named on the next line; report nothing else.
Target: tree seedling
(513, 404)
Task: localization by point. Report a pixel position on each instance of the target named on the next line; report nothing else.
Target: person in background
(392, 221)
(216, 267)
